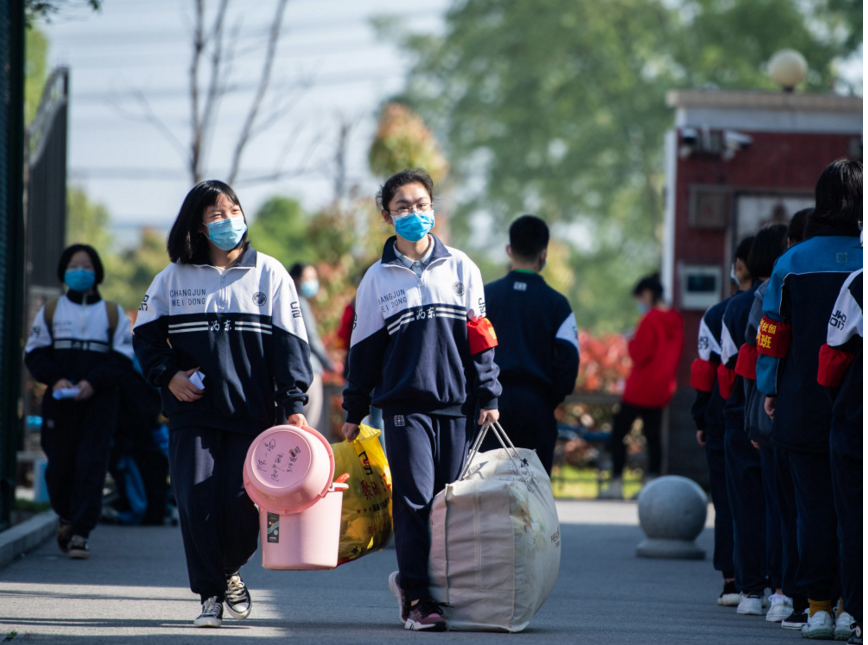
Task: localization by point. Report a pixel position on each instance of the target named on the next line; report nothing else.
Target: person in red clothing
(655, 350)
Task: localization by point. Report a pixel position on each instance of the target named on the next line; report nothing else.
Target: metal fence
(11, 244)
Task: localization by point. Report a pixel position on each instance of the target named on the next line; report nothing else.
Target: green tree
(557, 107)
(279, 229)
(87, 222)
(35, 71)
(130, 273)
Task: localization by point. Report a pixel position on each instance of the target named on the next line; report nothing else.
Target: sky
(330, 68)
(132, 57)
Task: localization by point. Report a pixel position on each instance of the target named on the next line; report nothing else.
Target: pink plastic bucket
(288, 469)
(306, 540)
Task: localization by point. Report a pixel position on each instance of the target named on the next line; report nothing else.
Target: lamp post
(788, 68)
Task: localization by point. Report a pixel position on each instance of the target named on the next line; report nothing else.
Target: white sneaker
(614, 491)
(844, 625)
(780, 607)
(212, 613)
(820, 626)
(750, 605)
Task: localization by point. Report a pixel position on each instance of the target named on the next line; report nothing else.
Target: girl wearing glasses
(421, 351)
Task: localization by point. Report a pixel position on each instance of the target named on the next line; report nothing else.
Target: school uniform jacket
(538, 340)
(732, 336)
(840, 358)
(707, 409)
(241, 326)
(78, 346)
(409, 350)
(757, 423)
(802, 291)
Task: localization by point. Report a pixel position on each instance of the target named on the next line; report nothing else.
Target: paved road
(134, 590)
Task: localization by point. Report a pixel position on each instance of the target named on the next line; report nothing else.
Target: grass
(569, 482)
(28, 505)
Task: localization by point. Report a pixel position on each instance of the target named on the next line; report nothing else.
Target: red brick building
(734, 161)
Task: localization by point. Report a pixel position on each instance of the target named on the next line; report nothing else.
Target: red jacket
(655, 350)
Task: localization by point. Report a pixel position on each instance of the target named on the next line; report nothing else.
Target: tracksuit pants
(774, 540)
(845, 447)
(76, 438)
(786, 492)
(817, 525)
(745, 492)
(219, 523)
(426, 452)
(723, 536)
(528, 417)
(651, 420)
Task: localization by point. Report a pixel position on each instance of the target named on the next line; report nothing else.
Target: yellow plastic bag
(366, 516)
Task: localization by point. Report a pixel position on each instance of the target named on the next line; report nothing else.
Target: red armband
(702, 375)
(746, 364)
(773, 338)
(833, 366)
(725, 380)
(480, 333)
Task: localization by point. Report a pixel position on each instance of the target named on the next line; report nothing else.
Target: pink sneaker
(427, 615)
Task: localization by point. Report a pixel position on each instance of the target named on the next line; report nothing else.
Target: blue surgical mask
(642, 307)
(309, 288)
(732, 274)
(414, 225)
(79, 279)
(225, 234)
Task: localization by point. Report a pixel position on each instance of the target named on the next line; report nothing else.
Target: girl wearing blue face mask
(306, 281)
(221, 333)
(417, 353)
(77, 347)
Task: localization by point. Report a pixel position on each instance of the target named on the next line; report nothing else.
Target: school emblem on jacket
(259, 298)
(458, 287)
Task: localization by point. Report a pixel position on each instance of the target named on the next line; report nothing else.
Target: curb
(26, 536)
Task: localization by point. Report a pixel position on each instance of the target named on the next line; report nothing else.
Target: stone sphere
(673, 508)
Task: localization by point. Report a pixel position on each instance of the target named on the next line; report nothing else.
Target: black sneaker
(212, 613)
(63, 535)
(426, 615)
(796, 620)
(730, 596)
(238, 601)
(78, 549)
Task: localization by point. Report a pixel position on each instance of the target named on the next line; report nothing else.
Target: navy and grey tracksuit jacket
(707, 410)
(537, 334)
(78, 346)
(732, 338)
(409, 350)
(242, 327)
(802, 291)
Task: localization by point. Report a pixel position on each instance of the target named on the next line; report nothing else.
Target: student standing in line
(538, 351)
(841, 371)
(743, 475)
(655, 350)
(768, 245)
(423, 352)
(801, 293)
(707, 413)
(221, 333)
(78, 346)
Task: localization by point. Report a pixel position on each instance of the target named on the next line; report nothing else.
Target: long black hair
(186, 243)
(838, 197)
(66, 257)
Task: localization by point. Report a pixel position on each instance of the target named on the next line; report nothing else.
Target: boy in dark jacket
(538, 343)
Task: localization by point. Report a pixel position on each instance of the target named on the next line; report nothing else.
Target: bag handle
(505, 442)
